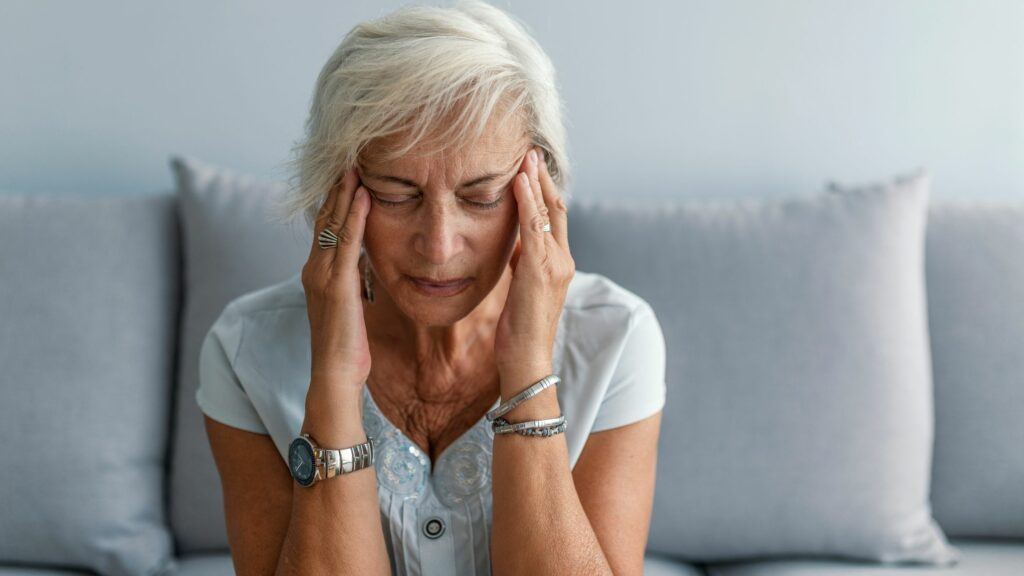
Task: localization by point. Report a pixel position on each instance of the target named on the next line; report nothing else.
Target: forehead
(500, 144)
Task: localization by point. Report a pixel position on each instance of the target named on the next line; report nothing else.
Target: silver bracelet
(523, 396)
(546, 427)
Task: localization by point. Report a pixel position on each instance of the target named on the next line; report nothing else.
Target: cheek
(504, 229)
(379, 239)
(381, 225)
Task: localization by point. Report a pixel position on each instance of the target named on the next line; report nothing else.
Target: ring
(547, 227)
(327, 239)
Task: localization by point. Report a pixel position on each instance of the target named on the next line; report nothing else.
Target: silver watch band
(347, 460)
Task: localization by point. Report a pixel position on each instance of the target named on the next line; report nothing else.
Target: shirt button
(433, 527)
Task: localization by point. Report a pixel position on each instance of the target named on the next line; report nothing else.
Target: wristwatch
(309, 463)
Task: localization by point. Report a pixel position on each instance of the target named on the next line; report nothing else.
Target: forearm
(335, 525)
(539, 525)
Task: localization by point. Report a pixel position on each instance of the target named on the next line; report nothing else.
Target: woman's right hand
(330, 277)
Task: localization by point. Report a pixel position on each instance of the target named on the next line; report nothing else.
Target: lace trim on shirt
(463, 470)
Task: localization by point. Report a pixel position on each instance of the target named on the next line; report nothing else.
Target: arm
(614, 478)
(335, 524)
(596, 517)
(536, 509)
(276, 526)
(256, 512)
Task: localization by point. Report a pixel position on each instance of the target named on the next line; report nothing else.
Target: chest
(432, 406)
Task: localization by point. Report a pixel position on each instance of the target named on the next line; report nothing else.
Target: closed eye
(377, 196)
(488, 205)
(407, 199)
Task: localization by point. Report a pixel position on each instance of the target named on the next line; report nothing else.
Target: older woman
(363, 413)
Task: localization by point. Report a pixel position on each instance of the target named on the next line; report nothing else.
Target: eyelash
(482, 206)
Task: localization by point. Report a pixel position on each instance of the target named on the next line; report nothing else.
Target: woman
(442, 288)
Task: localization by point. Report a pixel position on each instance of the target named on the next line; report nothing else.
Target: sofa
(845, 382)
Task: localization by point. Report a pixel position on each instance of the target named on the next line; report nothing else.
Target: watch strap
(347, 460)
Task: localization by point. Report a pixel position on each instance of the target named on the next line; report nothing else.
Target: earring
(367, 281)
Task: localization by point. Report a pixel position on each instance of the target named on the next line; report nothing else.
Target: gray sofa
(845, 377)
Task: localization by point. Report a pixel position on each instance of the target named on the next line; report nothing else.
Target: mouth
(442, 287)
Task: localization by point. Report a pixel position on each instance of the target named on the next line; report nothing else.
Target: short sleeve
(220, 395)
(637, 387)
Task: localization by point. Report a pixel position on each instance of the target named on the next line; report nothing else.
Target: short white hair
(426, 70)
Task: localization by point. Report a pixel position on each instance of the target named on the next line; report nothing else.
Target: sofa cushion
(232, 245)
(215, 564)
(975, 272)
(799, 409)
(89, 306)
(15, 570)
(978, 558)
(657, 565)
(220, 565)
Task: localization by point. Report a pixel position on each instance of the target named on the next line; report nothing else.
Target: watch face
(300, 461)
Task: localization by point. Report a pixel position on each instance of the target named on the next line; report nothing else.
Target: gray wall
(682, 98)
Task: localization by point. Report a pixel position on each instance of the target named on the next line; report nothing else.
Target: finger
(315, 253)
(558, 212)
(336, 217)
(532, 171)
(327, 216)
(328, 206)
(350, 236)
(530, 222)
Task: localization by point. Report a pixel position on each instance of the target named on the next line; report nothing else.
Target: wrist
(520, 377)
(543, 405)
(334, 416)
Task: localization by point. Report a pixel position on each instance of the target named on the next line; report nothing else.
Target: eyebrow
(473, 182)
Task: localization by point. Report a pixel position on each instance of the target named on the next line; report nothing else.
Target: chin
(437, 311)
(436, 315)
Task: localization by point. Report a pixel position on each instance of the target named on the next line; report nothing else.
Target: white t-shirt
(609, 351)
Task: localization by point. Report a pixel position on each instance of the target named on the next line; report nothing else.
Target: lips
(439, 283)
(440, 287)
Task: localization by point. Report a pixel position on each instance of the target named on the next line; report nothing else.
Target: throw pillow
(799, 417)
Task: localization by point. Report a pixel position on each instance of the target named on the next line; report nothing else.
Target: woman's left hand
(541, 271)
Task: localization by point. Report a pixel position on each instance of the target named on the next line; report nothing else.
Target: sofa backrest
(222, 245)
(239, 251)
(230, 248)
(975, 275)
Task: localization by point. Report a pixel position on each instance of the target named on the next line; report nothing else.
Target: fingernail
(360, 192)
(533, 156)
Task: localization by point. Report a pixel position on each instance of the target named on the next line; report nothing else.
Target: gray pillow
(799, 416)
(975, 272)
(231, 247)
(89, 308)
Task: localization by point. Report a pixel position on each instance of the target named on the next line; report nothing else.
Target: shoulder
(258, 317)
(250, 370)
(612, 355)
(601, 321)
(285, 294)
(595, 302)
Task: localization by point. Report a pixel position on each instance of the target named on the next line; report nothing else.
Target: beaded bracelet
(548, 427)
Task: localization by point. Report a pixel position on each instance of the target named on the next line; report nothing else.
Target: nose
(439, 238)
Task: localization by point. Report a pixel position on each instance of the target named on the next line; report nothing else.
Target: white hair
(427, 70)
